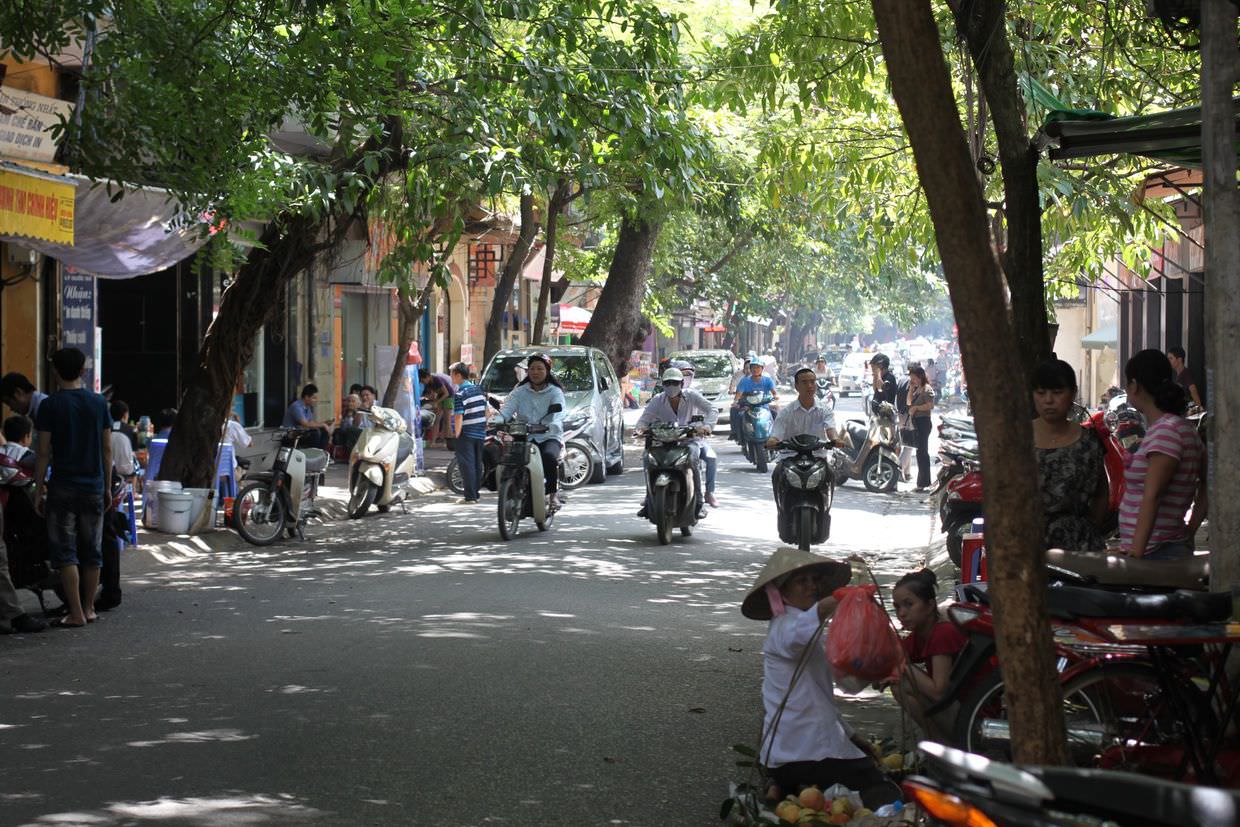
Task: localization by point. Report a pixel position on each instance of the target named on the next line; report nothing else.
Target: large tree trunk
(617, 323)
(983, 24)
(288, 245)
(923, 93)
(512, 269)
(555, 205)
(1219, 72)
(410, 307)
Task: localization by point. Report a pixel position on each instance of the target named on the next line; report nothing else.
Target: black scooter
(805, 491)
(671, 489)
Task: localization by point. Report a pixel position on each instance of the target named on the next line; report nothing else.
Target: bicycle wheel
(258, 513)
(1128, 721)
(511, 503)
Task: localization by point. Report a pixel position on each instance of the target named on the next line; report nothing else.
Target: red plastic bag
(860, 640)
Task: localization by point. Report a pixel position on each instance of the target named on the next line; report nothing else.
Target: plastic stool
(131, 512)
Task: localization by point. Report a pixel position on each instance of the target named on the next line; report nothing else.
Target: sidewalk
(158, 548)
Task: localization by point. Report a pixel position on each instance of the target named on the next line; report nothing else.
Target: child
(804, 740)
(931, 647)
(18, 432)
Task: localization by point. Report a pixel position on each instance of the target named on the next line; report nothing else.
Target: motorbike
(873, 453)
(823, 392)
(671, 486)
(959, 789)
(806, 493)
(756, 424)
(578, 458)
(381, 464)
(521, 484)
(25, 531)
(281, 498)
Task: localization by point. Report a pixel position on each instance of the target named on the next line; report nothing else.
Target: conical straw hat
(785, 561)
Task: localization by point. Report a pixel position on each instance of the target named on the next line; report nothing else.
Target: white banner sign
(26, 132)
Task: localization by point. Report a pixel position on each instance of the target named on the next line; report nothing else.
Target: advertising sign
(77, 318)
(26, 132)
(36, 206)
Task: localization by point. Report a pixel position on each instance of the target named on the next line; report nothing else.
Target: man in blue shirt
(75, 438)
(300, 414)
(469, 426)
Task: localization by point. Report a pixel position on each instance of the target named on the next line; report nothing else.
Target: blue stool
(226, 472)
(154, 454)
(131, 513)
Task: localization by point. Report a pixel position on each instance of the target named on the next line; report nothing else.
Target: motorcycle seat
(404, 447)
(1071, 602)
(1122, 570)
(1143, 799)
(316, 460)
(857, 431)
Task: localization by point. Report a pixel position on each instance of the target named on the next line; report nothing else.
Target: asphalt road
(414, 669)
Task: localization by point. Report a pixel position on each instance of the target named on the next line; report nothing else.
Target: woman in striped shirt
(1167, 473)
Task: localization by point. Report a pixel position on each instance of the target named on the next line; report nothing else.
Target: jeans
(550, 452)
(922, 425)
(346, 436)
(1171, 550)
(711, 459)
(74, 527)
(469, 460)
(316, 438)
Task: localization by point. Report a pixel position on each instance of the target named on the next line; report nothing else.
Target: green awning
(1100, 338)
(1173, 137)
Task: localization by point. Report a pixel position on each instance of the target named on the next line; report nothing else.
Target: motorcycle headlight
(816, 476)
(283, 454)
(682, 458)
(792, 477)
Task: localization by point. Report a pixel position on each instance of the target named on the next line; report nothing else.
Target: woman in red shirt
(931, 647)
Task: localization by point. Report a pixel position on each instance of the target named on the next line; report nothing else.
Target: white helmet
(673, 375)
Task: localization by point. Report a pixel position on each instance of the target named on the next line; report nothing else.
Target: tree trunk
(922, 90)
(1219, 71)
(289, 244)
(512, 270)
(409, 310)
(555, 205)
(617, 322)
(982, 22)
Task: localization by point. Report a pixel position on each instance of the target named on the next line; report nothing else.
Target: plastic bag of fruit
(860, 640)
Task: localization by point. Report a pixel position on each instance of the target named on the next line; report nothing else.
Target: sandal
(63, 623)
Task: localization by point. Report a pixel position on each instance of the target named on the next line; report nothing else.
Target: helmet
(881, 360)
(682, 365)
(673, 375)
(752, 356)
(538, 357)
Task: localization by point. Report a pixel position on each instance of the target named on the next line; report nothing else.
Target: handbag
(908, 434)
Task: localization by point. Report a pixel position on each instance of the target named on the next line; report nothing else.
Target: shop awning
(143, 232)
(1173, 137)
(37, 206)
(574, 318)
(1100, 338)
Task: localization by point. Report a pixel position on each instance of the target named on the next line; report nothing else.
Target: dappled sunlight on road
(214, 811)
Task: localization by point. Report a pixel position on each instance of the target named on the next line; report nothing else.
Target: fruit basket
(835, 805)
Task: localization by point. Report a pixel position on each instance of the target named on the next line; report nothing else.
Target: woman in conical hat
(805, 742)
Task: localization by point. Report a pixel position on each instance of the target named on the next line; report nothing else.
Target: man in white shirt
(805, 416)
(677, 406)
(122, 452)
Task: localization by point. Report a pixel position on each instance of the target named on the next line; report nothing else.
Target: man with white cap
(804, 740)
(677, 406)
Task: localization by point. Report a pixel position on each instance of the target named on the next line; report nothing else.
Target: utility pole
(1220, 69)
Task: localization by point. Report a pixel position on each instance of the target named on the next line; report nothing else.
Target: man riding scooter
(707, 454)
(755, 382)
(805, 416)
(676, 406)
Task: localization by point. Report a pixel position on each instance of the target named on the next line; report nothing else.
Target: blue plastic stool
(226, 472)
(131, 513)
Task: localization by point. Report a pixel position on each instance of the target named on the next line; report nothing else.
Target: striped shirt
(471, 403)
(1175, 437)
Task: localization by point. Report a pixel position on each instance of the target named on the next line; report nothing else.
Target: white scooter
(381, 464)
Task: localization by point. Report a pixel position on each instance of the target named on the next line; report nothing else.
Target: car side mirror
(603, 383)
(555, 408)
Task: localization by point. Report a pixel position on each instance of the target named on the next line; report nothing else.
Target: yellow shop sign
(36, 206)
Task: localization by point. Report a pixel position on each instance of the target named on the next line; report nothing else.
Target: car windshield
(856, 360)
(706, 366)
(573, 372)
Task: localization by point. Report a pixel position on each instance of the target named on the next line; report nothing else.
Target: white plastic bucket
(174, 511)
(150, 500)
(202, 496)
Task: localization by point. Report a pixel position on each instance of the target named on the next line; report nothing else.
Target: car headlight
(792, 477)
(816, 476)
(579, 420)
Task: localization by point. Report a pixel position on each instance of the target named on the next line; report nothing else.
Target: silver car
(593, 419)
(712, 376)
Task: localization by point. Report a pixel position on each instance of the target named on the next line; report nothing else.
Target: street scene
(619, 412)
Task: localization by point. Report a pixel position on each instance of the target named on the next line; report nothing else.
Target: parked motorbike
(671, 488)
(756, 424)
(25, 531)
(806, 492)
(281, 498)
(521, 484)
(873, 452)
(381, 464)
(959, 789)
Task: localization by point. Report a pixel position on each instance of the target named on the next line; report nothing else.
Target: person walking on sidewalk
(75, 440)
(469, 426)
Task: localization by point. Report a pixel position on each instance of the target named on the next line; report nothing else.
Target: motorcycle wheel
(955, 540)
(258, 513)
(880, 475)
(511, 502)
(985, 702)
(662, 515)
(456, 482)
(364, 494)
(759, 457)
(805, 529)
(575, 467)
(547, 521)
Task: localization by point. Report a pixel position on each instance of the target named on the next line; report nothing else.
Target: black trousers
(860, 774)
(550, 453)
(921, 424)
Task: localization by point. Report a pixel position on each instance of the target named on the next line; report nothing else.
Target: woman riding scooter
(531, 400)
